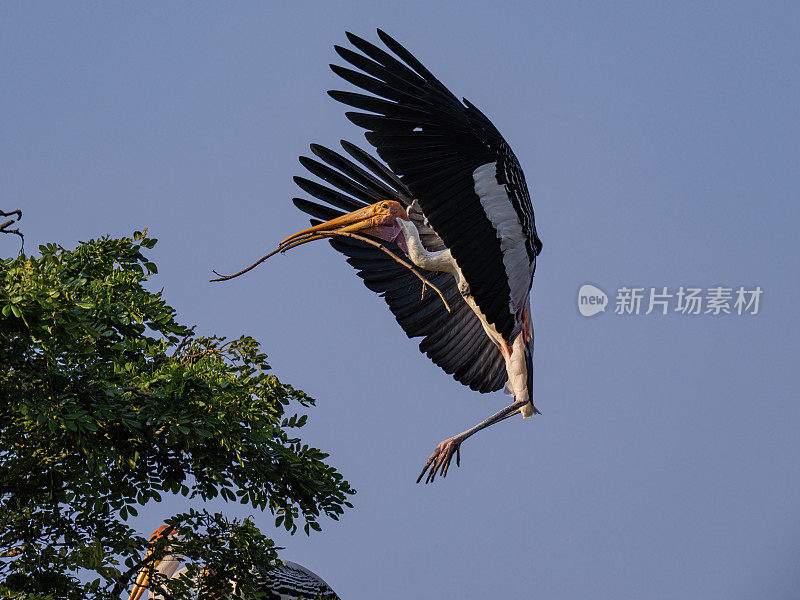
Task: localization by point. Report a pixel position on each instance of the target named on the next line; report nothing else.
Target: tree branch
(10, 222)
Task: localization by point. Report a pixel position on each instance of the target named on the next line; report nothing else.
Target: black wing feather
(455, 341)
(434, 142)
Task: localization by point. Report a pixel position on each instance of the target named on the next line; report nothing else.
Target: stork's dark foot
(439, 461)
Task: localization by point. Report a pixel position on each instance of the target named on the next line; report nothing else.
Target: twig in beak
(394, 257)
(243, 271)
(281, 248)
(323, 234)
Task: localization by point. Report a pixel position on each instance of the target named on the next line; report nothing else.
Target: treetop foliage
(107, 402)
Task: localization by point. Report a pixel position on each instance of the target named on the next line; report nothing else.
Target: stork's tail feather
(529, 409)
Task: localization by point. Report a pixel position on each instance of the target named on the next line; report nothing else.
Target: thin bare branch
(324, 234)
(184, 341)
(4, 226)
(243, 271)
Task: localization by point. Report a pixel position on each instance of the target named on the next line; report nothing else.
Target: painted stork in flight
(452, 201)
(286, 581)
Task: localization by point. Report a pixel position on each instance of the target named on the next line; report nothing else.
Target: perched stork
(454, 202)
(286, 581)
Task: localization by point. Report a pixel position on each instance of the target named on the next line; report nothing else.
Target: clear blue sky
(662, 147)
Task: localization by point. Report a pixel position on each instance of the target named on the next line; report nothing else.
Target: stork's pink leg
(441, 457)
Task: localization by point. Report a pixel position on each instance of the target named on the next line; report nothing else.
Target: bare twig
(10, 222)
(243, 271)
(185, 339)
(323, 234)
(212, 347)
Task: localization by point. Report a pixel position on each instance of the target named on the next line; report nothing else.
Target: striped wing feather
(288, 581)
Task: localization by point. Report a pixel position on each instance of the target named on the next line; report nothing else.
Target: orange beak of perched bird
(153, 564)
(140, 587)
(378, 220)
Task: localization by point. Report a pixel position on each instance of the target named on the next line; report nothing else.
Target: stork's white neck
(431, 261)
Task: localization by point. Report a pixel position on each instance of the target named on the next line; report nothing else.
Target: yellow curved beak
(143, 579)
(375, 215)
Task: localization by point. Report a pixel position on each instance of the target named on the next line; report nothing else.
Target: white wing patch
(498, 207)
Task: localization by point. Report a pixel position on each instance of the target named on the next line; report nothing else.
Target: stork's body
(389, 220)
(451, 198)
(514, 354)
(285, 581)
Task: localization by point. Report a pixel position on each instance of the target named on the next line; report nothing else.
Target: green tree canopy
(106, 402)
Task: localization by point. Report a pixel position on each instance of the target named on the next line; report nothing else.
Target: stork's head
(379, 220)
(167, 565)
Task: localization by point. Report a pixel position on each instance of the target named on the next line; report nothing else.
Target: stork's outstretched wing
(288, 580)
(456, 340)
(451, 158)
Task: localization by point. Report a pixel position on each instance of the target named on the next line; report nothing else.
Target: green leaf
(103, 414)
